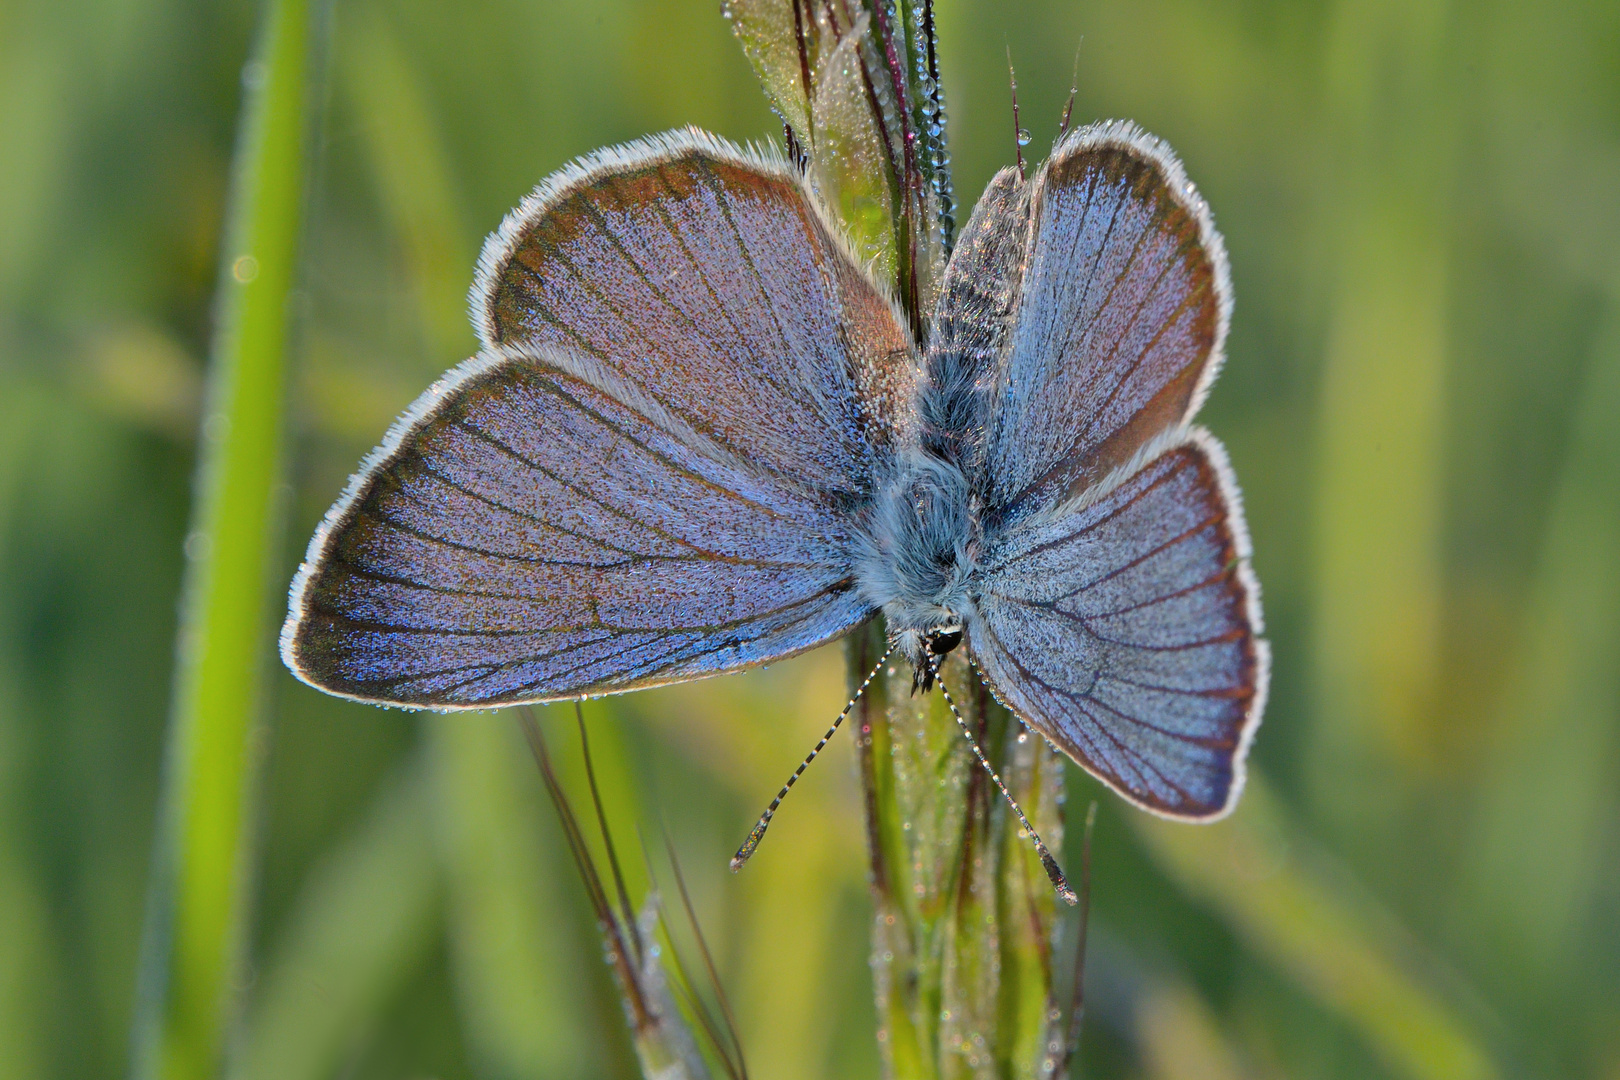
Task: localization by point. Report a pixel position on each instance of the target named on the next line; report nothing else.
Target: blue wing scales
(1114, 609)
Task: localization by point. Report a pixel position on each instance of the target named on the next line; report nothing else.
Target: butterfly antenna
(758, 832)
(1019, 138)
(1053, 870)
(1074, 88)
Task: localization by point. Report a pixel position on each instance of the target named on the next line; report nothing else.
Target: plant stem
(962, 943)
(962, 938)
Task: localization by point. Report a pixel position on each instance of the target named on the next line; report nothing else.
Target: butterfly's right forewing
(1120, 323)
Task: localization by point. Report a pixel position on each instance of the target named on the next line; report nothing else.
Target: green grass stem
(204, 854)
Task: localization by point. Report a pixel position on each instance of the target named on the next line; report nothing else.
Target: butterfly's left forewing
(652, 471)
(1121, 321)
(706, 280)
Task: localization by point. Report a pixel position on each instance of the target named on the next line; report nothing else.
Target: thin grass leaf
(508, 922)
(856, 83)
(619, 889)
(1380, 508)
(612, 930)
(741, 1066)
(416, 186)
(204, 852)
(1546, 806)
(962, 940)
(685, 991)
(1074, 1012)
(664, 1044)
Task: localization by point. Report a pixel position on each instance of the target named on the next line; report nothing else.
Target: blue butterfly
(699, 437)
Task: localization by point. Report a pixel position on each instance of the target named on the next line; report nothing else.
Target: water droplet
(1023, 136)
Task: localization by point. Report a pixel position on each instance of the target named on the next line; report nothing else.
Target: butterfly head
(942, 639)
(931, 647)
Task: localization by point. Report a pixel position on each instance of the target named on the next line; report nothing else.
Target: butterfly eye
(942, 640)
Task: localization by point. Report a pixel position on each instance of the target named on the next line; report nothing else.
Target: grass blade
(1546, 806)
(201, 866)
(664, 1044)
(507, 907)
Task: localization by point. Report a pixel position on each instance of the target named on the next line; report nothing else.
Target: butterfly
(699, 437)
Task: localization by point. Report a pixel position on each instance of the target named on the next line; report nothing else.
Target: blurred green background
(1422, 205)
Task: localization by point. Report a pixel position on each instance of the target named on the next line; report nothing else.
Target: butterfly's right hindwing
(1125, 632)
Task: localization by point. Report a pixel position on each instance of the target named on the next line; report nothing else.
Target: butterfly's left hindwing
(652, 471)
(1121, 319)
